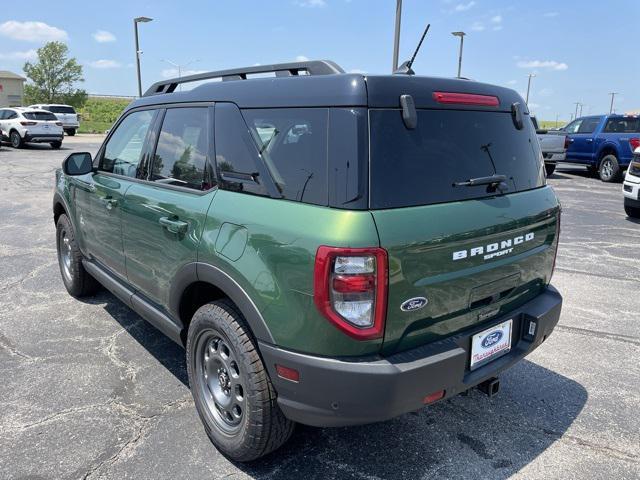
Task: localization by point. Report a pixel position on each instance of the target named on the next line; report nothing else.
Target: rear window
(59, 109)
(420, 166)
(42, 116)
(623, 125)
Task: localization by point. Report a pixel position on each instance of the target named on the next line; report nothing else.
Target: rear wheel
(550, 168)
(230, 385)
(56, 145)
(632, 211)
(16, 140)
(70, 131)
(609, 170)
(76, 279)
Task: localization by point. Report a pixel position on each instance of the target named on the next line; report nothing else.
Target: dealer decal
(492, 250)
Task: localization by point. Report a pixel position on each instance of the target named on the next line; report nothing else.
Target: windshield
(429, 164)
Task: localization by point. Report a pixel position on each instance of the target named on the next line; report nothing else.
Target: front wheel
(76, 279)
(632, 211)
(16, 140)
(550, 168)
(230, 385)
(609, 170)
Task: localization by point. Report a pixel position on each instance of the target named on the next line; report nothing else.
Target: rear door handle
(173, 226)
(589, 139)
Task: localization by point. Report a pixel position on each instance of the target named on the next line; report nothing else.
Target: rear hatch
(42, 123)
(473, 252)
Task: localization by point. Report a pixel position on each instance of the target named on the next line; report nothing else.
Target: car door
(163, 217)
(582, 146)
(100, 195)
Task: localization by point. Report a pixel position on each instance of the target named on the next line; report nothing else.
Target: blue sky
(579, 50)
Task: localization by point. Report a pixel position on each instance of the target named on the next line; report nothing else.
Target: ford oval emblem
(413, 304)
(491, 339)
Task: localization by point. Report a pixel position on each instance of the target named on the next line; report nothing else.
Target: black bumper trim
(42, 138)
(630, 202)
(336, 392)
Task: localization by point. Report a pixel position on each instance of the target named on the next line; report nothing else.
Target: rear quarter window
(622, 125)
(421, 166)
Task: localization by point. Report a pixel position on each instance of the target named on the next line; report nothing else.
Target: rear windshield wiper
(494, 181)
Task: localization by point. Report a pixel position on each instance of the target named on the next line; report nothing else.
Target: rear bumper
(44, 138)
(550, 157)
(631, 190)
(336, 392)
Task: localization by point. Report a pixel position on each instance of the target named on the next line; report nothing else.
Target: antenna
(405, 68)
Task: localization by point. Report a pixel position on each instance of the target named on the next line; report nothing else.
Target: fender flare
(205, 272)
(607, 146)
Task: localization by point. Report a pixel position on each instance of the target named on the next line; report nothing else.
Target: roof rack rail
(313, 67)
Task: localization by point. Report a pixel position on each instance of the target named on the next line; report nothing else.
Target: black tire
(609, 170)
(76, 279)
(592, 170)
(70, 131)
(632, 211)
(550, 168)
(16, 140)
(243, 426)
(56, 145)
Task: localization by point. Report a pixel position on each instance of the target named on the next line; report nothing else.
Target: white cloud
(302, 58)
(105, 64)
(545, 92)
(357, 70)
(462, 7)
(550, 64)
(551, 14)
(532, 105)
(31, 31)
(173, 72)
(311, 3)
(477, 26)
(496, 19)
(26, 55)
(497, 28)
(102, 36)
(512, 82)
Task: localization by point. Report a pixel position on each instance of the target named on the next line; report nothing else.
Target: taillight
(350, 289)
(566, 142)
(466, 99)
(28, 124)
(634, 143)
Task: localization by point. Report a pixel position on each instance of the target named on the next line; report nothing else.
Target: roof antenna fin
(405, 68)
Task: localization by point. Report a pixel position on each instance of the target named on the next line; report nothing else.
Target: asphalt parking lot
(89, 390)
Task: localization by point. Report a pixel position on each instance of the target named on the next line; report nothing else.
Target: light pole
(135, 29)
(577, 104)
(396, 39)
(461, 35)
(531, 75)
(581, 105)
(613, 94)
(180, 67)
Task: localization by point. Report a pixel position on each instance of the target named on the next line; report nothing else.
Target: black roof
(328, 89)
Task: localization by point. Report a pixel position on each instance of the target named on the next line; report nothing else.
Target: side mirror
(79, 163)
(540, 131)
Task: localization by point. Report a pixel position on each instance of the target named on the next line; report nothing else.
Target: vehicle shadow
(470, 436)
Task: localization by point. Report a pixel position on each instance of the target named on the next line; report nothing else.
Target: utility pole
(613, 94)
(461, 35)
(138, 52)
(577, 104)
(581, 105)
(529, 87)
(396, 41)
(557, 120)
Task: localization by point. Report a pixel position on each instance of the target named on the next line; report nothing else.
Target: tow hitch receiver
(490, 387)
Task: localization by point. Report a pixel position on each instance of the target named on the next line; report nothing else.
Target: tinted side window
(181, 155)
(293, 144)
(2, 114)
(123, 151)
(237, 159)
(589, 125)
(622, 125)
(11, 115)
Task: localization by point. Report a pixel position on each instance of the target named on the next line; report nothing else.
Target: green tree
(53, 77)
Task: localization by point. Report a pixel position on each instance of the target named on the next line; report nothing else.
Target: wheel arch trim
(207, 273)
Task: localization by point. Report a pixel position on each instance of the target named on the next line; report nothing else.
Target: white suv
(65, 113)
(24, 125)
(631, 186)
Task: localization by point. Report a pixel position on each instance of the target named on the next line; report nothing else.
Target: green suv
(332, 249)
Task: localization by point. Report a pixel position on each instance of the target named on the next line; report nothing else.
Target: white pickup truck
(553, 145)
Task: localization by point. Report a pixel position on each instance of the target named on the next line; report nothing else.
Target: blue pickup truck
(604, 143)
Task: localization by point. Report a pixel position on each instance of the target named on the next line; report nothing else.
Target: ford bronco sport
(332, 249)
